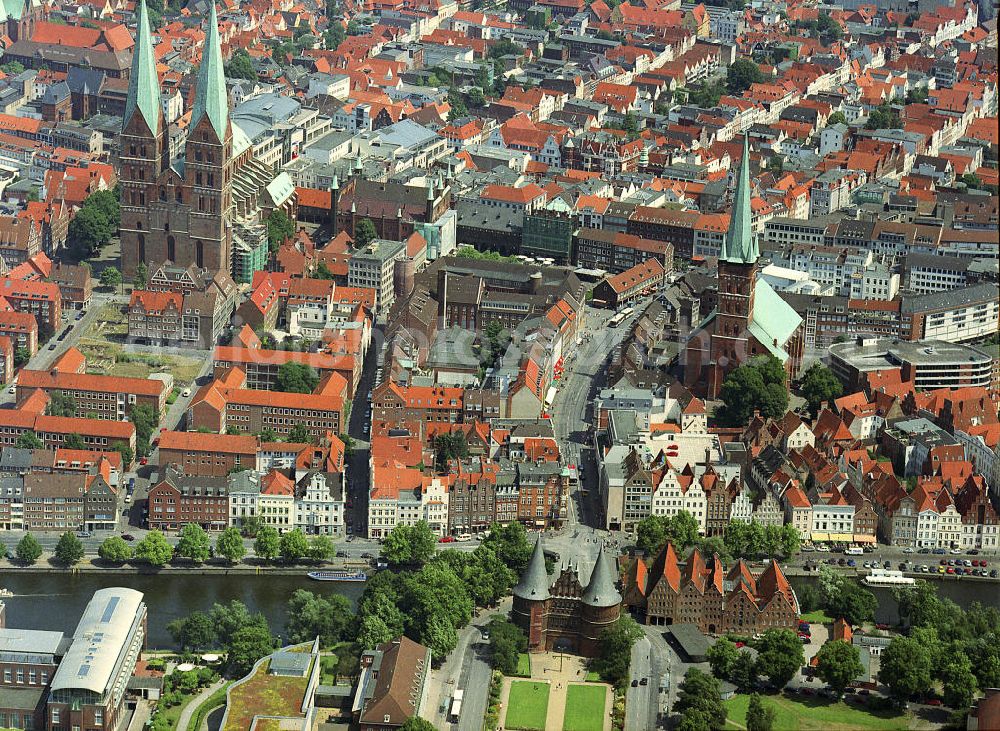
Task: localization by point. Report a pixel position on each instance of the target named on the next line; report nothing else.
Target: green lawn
(816, 714)
(818, 617)
(523, 665)
(585, 708)
(593, 677)
(527, 705)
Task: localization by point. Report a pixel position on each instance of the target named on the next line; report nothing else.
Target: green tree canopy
(194, 543)
(141, 277)
(818, 384)
(883, 117)
(310, 615)
(28, 549)
(364, 233)
(653, 532)
(69, 549)
(614, 650)
(229, 545)
(299, 434)
(698, 697)
(111, 278)
(507, 642)
(905, 668)
(267, 544)
(322, 548)
(757, 385)
(296, 378)
(780, 655)
(722, 657)
(280, 228)
(760, 716)
(144, 420)
(838, 665)
(836, 118)
(510, 542)
(958, 681)
(154, 549)
(194, 632)
(114, 550)
(28, 440)
(449, 446)
(409, 545)
(852, 602)
(293, 545)
(249, 644)
(240, 65)
(742, 73)
(62, 404)
(74, 441)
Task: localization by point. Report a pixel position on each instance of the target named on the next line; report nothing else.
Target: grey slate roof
(534, 583)
(601, 591)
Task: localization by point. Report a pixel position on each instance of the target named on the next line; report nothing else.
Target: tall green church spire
(143, 84)
(740, 246)
(211, 96)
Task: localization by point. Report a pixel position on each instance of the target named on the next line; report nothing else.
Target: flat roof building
(929, 364)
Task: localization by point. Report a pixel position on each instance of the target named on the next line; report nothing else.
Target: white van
(853, 551)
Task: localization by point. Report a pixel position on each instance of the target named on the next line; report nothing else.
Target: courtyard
(107, 353)
(556, 694)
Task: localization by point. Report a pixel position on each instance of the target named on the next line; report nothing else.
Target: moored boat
(338, 575)
(888, 577)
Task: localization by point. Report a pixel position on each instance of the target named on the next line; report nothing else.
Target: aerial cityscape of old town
(485, 365)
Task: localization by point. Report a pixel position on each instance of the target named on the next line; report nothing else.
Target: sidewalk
(185, 718)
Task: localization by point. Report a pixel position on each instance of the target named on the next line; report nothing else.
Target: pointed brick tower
(208, 161)
(144, 151)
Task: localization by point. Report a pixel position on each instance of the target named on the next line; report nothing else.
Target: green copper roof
(534, 583)
(774, 321)
(211, 97)
(740, 246)
(144, 84)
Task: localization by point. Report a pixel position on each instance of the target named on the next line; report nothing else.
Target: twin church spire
(211, 98)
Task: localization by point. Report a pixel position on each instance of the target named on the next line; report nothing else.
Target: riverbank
(43, 566)
(84, 567)
(859, 573)
(55, 600)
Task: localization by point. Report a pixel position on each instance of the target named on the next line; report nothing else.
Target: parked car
(128, 537)
(933, 701)
(446, 539)
(83, 534)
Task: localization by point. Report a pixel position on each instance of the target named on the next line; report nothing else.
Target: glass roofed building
(88, 689)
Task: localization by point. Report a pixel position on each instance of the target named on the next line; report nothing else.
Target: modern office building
(88, 689)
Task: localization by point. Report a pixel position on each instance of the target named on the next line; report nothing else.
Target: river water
(55, 601)
(961, 592)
